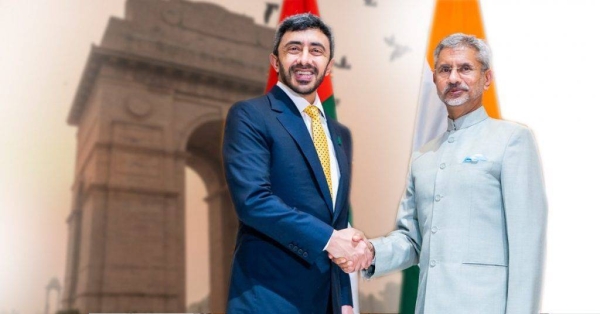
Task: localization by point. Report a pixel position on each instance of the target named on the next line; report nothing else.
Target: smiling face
(460, 80)
(303, 61)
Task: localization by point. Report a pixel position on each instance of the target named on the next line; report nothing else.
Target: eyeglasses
(444, 71)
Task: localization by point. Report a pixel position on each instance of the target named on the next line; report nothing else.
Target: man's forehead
(310, 35)
(458, 54)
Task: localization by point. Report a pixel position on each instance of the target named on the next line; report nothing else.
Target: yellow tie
(320, 141)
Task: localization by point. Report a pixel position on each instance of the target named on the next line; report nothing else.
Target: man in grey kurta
(474, 212)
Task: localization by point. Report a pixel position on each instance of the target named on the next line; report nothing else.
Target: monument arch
(152, 100)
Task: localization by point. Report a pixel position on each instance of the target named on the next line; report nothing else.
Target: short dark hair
(301, 22)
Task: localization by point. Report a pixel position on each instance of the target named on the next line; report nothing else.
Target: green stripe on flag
(329, 107)
(410, 283)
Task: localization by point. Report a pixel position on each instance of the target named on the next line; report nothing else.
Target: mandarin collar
(467, 120)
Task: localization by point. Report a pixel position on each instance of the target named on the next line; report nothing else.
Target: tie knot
(312, 111)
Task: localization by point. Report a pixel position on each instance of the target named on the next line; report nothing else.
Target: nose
(454, 77)
(304, 56)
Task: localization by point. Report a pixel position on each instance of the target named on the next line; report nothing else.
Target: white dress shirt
(301, 104)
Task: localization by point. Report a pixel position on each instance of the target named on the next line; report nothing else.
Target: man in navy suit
(288, 170)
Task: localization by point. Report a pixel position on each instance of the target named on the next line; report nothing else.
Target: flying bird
(269, 10)
(370, 3)
(343, 64)
(391, 41)
(399, 51)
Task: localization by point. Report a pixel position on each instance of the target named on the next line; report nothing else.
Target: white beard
(457, 101)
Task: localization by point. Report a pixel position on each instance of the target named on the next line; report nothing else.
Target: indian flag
(449, 16)
(325, 91)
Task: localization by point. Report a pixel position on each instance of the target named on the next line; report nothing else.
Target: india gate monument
(152, 101)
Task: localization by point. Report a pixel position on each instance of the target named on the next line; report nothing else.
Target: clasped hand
(350, 250)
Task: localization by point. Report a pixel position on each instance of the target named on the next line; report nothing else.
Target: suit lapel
(342, 160)
(292, 121)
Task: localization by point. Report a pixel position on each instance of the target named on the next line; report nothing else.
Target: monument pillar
(152, 99)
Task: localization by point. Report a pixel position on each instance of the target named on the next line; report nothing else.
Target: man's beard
(462, 99)
(455, 101)
(286, 78)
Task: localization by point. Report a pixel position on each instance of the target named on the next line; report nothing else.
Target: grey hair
(456, 40)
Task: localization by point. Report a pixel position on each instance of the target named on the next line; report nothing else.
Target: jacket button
(438, 198)
(434, 229)
(291, 246)
(432, 263)
(451, 140)
(300, 251)
(295, 248)
(305, 254)
(443, 166)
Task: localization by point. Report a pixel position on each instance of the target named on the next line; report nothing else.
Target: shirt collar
(299, 101)
(467, 120)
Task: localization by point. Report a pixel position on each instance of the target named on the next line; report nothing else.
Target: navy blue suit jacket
(284, 209)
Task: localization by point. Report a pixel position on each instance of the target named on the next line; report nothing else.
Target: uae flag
(325, 91)
(449, 17)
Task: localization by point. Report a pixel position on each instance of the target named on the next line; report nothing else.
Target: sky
(544, 63)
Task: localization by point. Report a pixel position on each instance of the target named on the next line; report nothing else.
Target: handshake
(350, 250)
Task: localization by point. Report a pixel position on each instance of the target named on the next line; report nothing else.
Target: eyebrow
(295, 42)
(459, 65)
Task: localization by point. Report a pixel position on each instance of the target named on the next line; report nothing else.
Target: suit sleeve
(400, 249)
(345, 280)
(246, 158)
(346, 287)
(525, 209)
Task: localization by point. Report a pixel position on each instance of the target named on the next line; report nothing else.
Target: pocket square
(475, 158)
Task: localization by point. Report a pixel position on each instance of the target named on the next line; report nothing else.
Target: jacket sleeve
(346, 287)
(247, 159)
(400, 249)
(345, 280)
(525, 209)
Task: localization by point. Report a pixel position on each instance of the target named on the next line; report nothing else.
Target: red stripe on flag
(293, 7)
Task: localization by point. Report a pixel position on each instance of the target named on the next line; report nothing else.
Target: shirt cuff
(326, 245)
(368, 273)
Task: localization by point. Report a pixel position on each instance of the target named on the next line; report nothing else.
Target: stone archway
(152, 99)
(204, 158)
